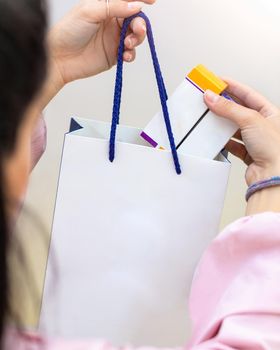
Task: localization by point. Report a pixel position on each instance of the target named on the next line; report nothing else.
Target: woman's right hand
(259, 136)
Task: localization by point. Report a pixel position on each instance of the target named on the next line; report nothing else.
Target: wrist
(52, 85)
(255, 173)
(55, 69)
(265, 200)
(55, 80)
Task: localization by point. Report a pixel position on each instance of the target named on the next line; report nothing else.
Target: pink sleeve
(235, 298)
(38, 141)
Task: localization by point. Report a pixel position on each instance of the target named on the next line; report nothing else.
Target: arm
(235, 297)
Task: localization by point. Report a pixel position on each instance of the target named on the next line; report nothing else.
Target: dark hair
(23, 64)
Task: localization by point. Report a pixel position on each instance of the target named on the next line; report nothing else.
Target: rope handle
(161, 89)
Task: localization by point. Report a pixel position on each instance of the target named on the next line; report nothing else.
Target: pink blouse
(235, 297)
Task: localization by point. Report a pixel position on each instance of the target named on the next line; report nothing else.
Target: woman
(234, 301)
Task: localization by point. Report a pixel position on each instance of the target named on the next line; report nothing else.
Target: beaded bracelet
(260, 185)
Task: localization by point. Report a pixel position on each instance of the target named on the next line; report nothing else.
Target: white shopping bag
(127, 235)
(126, 238)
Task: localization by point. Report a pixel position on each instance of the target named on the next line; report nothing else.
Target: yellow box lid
(205, 80)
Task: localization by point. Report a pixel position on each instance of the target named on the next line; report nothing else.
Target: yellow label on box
(207, 80)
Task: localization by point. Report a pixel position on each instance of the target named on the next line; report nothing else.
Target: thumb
(99, 11)
(231, 110)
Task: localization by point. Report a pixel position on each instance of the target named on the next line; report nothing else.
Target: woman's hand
(257, 142)
(85, 42)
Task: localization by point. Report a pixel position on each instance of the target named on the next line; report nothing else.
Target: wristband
(261, 185)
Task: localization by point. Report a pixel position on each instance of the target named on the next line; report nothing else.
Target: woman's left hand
(85, 42)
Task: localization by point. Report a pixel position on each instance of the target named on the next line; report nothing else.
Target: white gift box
(197, 131)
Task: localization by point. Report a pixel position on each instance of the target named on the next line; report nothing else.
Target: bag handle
(161, 89)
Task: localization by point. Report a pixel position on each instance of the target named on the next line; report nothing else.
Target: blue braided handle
(161, 89)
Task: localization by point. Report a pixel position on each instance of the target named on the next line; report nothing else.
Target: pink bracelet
(258, 186)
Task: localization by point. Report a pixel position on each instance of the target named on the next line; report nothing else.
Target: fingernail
(128, 57)
(211, 96)
(135, 5)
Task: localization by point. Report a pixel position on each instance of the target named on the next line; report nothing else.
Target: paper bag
(128, 234)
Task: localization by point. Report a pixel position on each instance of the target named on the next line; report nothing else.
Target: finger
(97, 11)
(124, 9)
(138, 35)
(239, 151)
(249, 97)
(132, 41)
(242, 116)
(129, 56)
